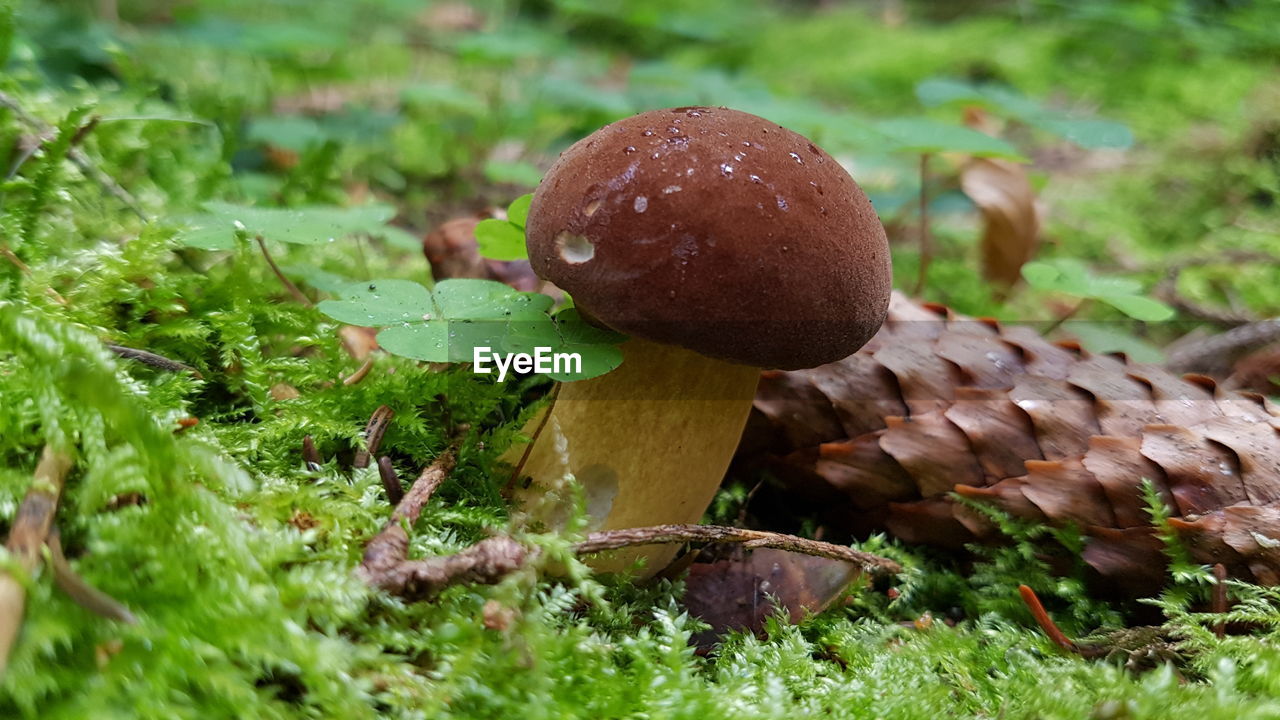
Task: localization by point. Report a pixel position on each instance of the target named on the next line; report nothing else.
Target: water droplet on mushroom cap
(788, 270)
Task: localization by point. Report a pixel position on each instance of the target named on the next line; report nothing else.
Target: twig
(751, 539)
(359, 374)
(390, 547)
(1219, 605)
(386, 567)
(1213, 349)
(533, 439)
(1045, 622)
(14, 259)
(78, 158)
(1057, 323)
(84, 594)
(27, 536)
(492, 559)
(390, 480)
(288, 284)
(373, 433)
(926, 243)
(156, 361)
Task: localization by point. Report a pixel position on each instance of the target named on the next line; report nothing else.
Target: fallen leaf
(359, 342)
(743, 589)
(1011, 222)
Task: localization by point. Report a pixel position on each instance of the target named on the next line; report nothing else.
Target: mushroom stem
(647, 443)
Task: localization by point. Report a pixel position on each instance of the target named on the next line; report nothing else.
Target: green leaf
(518, 210)
(1088, 133)
(440, 96)
(501, 240)
(1043, 276)
(447, 324)
(1074, 278)
(512, 173)
(291, 132)
(1105, 338)
(398, 237)
(428, 342)
(941, 91)
(216, 228)
(922, 135)
(595, 349)
(319, 279)
(472, 299)
(381, 302)
(1139, 307)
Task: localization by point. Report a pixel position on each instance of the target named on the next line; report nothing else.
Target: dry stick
(533, 439)
(149, 358)
(78, 158)
(373, 432)
(1057, 323)
(1197, 354)
(288, 284)
(385, 564)
(359, 374)
(1219, 604)
(671, 534)
(14, 259)
(390, 480)
(492, 559)
(926, 245)
(85, 595)
(1045, 622)
(390, 547)
(27, 536)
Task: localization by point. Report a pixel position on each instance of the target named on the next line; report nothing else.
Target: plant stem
(926, 242)
(373, 433)
(1045, 622)
(1057, 323)
(288, 284)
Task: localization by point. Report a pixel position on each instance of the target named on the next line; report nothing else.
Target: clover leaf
(218, 226)
(1088, 133)
(1074, 278)
(449, 322)
(924, 135)
(504, 239)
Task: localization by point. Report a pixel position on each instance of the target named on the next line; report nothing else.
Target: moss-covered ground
(237, 557)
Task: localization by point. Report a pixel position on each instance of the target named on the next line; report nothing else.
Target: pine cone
(938, 403)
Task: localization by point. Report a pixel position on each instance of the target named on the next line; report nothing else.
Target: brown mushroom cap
(715, 230)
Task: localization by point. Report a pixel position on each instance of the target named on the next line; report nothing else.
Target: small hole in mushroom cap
(575, 249)
(591, 208)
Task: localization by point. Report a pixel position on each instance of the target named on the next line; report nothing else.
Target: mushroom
(721, 243)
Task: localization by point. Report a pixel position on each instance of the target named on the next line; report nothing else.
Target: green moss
(238, 559)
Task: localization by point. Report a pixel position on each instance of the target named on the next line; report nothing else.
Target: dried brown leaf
(1011, 222)
(741, 591)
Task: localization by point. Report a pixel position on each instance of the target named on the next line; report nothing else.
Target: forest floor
(1152, 139)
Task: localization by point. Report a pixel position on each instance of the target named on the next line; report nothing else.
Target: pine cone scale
(937, 403)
